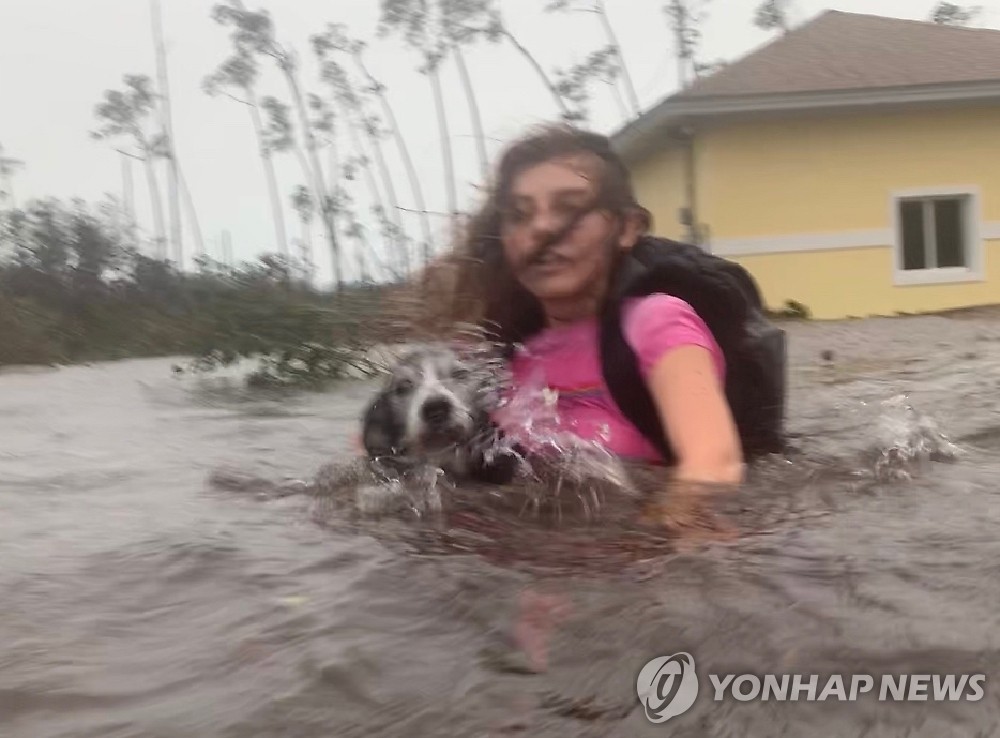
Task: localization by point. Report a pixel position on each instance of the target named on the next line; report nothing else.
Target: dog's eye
(460, 373)
(403, 387)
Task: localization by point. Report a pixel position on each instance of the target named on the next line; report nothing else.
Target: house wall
(660, 186)
(858, 283)
(806, 204)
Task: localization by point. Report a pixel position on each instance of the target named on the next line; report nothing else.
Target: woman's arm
(684, 368)
(699, 426)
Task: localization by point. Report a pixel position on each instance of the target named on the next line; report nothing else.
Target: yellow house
(852, 165)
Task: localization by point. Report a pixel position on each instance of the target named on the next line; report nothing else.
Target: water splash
(556, 469)
(905, 440)
(373, 490)
(562, 465)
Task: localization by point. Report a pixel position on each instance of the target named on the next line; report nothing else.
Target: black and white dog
(434, 409)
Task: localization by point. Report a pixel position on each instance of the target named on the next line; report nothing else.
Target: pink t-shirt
(566, 362)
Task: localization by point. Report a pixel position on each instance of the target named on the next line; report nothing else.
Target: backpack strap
(725, 296)
(620, 367)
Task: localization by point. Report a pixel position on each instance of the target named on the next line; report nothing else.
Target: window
(937, 237)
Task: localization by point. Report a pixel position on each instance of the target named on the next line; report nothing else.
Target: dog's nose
(436, 411)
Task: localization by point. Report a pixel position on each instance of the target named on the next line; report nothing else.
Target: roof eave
(677, 109)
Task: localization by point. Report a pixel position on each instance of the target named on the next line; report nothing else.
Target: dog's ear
(381, 430)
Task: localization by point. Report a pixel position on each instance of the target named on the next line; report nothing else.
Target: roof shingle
(840, 51)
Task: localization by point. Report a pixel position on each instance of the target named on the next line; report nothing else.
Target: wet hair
(484, 288)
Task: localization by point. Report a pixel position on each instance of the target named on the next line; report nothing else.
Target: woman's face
(566, 270)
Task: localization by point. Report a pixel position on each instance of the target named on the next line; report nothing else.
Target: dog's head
(433, 400)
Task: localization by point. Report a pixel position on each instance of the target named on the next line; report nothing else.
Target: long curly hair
(474, 284)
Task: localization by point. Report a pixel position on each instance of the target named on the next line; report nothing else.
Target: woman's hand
(685, 508)
(699, 426)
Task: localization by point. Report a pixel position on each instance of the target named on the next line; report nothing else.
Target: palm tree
(167, 125)
(950, 14)
(482, 19)
(302, 202)
(255, 31)
(336, 39)
(279, 135)
(240, 72)
(123, 114)
(573, 83)
(358, 119)
(685, 18)
(598, 8)
(771, 15)
(421, 25)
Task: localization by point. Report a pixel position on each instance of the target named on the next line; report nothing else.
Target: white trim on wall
(990, 230)
(798, 242)
(974, 272)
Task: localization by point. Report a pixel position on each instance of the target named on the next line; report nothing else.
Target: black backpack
(726, 297)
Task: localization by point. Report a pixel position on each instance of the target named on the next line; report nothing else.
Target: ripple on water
(141, 601)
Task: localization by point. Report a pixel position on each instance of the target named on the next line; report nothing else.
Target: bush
(793, 310)
(75, 291)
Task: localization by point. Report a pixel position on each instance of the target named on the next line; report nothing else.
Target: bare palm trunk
(390, 192)
(271, 179)
(619, 100)
(173, 201)
(376, 196)
(199, 242)
(157, 207)
(404, 151)
(680, 20)
(306, 248)
(128, 189)
(336, 259)
(307, 236)
(308, 257)
(227, 248)
(364, 274)
(613, 39)
(474, 114)
(539, 70)
(411, 173)
(433, 73)
(356, 119)
(333, 162)
(315, 168)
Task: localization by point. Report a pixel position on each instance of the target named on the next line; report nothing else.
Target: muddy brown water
(139, 599)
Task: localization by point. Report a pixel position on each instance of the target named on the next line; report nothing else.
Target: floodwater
(141, 599)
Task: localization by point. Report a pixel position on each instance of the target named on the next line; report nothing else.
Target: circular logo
(667, 686)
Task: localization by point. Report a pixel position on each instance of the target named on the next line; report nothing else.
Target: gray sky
(58, 56)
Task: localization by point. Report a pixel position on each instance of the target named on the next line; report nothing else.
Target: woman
(537, 267)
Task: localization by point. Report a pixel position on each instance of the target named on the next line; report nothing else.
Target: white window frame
(974, 272)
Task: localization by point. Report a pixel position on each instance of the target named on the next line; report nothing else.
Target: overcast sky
(58, 56)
